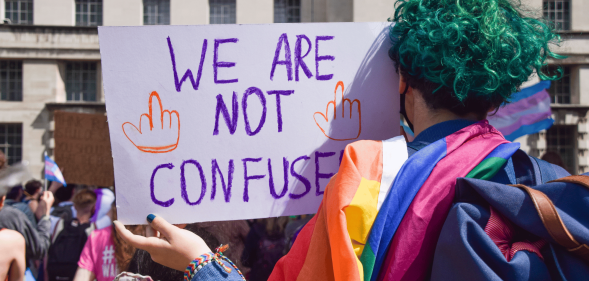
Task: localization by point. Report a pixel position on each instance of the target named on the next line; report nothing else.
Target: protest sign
(82, 148)
(226, 122)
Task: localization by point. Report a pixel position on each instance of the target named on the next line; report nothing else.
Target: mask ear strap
(402, 111)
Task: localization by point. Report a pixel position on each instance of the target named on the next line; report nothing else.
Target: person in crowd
(33, 190)
(457, 61)
(14, 198)
(12, 259)
(264, 246)
(84, 203)
(37, 237)
(65, 206)
(69, 237)
(104, 255)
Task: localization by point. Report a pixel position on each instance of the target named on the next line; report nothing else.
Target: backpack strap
(581, 180)
(59, 226)
(554, 224)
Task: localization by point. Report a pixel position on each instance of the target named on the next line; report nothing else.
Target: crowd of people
(458, 61)
(66, 233)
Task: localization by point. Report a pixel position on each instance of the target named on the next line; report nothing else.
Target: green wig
(478, 52)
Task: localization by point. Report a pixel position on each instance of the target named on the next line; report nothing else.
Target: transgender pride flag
(52, 172)
(528, 113)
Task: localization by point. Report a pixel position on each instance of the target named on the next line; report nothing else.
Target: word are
(217, 173)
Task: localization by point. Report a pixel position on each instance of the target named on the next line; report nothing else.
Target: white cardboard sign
(227, 122)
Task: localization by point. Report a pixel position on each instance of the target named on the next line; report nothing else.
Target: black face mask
(402, 111)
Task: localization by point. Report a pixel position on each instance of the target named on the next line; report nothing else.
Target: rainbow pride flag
(349, 236)
(411, 218)
(528, 113)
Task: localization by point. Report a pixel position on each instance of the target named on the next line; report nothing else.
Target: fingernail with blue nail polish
(150, 218)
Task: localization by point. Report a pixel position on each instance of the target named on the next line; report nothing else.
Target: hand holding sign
(158, 132)
(353, 122)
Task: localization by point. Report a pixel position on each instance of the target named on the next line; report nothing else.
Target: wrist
(209, 257)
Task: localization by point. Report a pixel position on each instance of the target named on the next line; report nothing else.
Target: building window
(222, 11)
(11, 142)
(287, 11)
(88, 12)
(156, 12)
(80, 81)
(561, 139)
(558, 12)
(560, 90)
(19, 11)
(11, 80)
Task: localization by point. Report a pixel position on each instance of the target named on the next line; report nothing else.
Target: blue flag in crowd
(52, 171)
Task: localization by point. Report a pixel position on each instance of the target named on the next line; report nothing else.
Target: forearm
(40, 239)
(83, 274)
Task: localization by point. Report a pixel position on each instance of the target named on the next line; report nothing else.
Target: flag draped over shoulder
(52, 171)
(327, 248)
(410, 234)
(348, 239)
(528, 112)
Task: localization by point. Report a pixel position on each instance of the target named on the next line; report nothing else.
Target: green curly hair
(469, 55)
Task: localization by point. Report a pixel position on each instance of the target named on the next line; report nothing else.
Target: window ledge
(77, 106)
(568, 106)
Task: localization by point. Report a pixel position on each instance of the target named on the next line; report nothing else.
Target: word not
(217, 173)
(231, 119)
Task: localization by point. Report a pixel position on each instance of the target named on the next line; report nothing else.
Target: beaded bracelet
(201, 261)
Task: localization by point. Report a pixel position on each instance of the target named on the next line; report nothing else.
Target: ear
(402, 84)
(2, 201)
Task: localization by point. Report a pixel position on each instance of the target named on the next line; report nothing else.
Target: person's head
(33, 188)
(468, 57)
(64, 193)
(84, 201)
(15, 193)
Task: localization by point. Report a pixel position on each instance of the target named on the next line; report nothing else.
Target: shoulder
(103, 234)
(12, 213)
(365, 145)
(12, 240)
(369, 156)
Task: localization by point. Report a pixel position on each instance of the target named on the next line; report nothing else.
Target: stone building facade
(50, 59)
